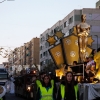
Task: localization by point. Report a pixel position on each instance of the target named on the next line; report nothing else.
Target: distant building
(1, 65)
(98, 4)
(66, 26)
(28, 54)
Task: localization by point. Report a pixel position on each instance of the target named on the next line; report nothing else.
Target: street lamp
(97, 40)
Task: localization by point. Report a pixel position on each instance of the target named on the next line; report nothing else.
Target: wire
(96, 17)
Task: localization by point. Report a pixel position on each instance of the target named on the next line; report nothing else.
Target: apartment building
(66, 26)
(10, 58)
(98, 4)
(35, 50)
(28, 54)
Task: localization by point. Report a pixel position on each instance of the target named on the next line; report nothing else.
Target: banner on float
(71, 49)
(57, 55)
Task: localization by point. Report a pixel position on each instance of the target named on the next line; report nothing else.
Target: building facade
(98, 4)
(66, 26)
(28, 54)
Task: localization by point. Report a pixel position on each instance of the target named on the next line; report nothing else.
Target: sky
(22, 20)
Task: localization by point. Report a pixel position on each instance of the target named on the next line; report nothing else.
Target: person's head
(93, 51)
(90, 57)
(87, 59)
(34, 78)
(42, 75)
(98, 49)
(74, 62)
(46, 79)
(69, 77)
(83, 17)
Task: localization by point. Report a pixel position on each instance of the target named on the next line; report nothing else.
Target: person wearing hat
(2, 92)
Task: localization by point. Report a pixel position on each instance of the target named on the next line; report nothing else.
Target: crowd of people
(49, 88)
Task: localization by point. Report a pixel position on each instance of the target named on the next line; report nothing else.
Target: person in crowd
(39, 81)
(93, 52)
(8, 85)
(46, 90)
(34, 87)
(86, 60)
(68, 89)
(12, 85)
(91, 66)
(74, 63)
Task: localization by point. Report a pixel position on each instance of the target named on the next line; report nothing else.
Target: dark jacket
(69, 93)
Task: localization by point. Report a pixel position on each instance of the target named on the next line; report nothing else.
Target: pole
(97, 40)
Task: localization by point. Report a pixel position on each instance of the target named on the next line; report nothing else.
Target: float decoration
(75, 47)
(51, 40)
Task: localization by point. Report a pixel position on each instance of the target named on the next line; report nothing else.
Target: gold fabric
(71, 49)
(57, 55)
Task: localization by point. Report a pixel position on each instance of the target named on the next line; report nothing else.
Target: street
(13, 97)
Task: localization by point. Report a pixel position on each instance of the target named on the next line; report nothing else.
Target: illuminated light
(34, 71)
(28, 88)
(60, 76)
(80, 78)
(69, 69)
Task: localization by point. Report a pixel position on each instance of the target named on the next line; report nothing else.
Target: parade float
(76, 47)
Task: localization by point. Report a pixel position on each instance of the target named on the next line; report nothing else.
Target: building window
(43, 53)
(47, 36)
(26, 48)
(56, 29)
(41, 56)
(52, 32)
(61, 28)
(65, 24)
(46, 53)
(41, 63)
(90, 27)
(46, 44)
(70, 30)
(46, 61)
(41, 48)
(67, 33)
(28, 54)
(77, 17)
(49, 61)
(41, 39)
(90, 15)
(71, 20)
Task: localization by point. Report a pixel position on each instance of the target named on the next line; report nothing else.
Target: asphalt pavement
(12, 97)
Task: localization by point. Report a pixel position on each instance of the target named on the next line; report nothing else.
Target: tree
(50, 68)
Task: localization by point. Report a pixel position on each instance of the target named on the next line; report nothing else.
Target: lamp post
(97, 40)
